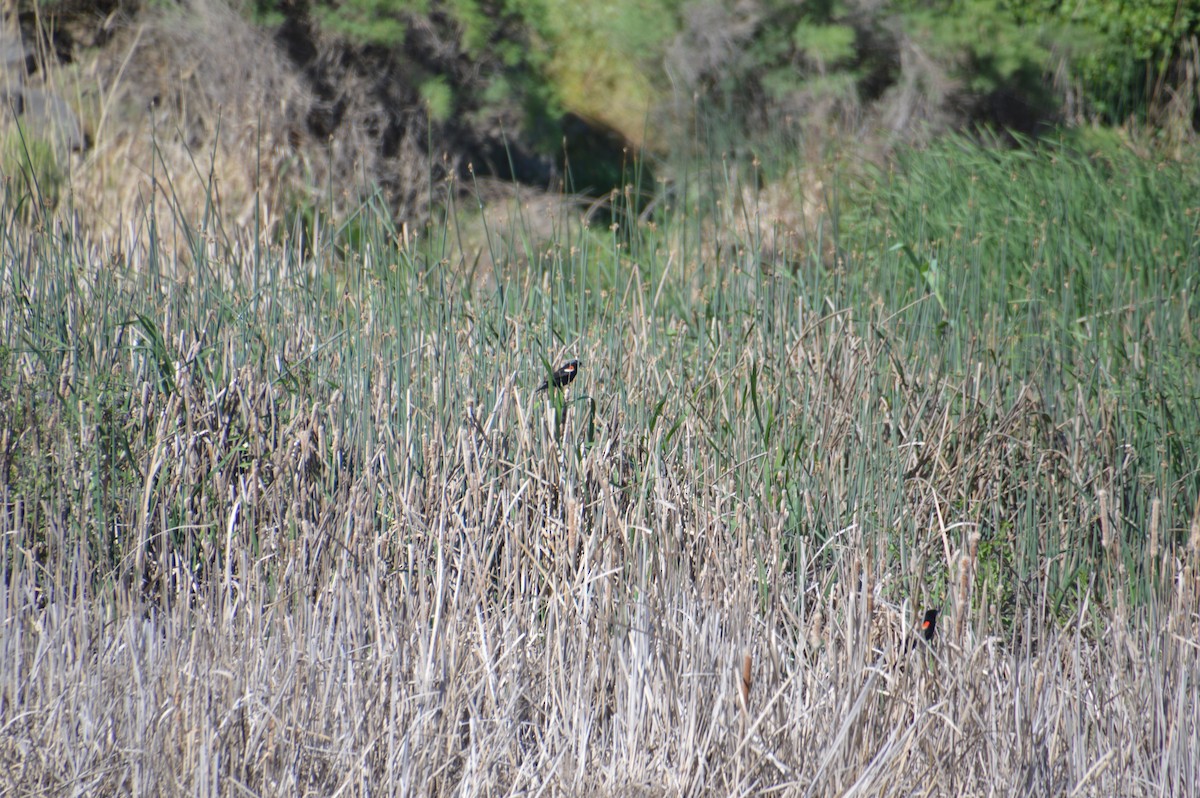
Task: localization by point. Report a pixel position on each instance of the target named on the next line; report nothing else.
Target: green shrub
(32, 163)
(380, 22)
(1129, 59)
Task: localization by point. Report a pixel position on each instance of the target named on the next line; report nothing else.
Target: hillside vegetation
(289, 105)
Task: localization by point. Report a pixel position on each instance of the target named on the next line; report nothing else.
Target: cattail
(816, 630)
(1194, 540)
(1193, 548)
(1105, 530)
(747, 676)
(1155, 513)
(869, 588)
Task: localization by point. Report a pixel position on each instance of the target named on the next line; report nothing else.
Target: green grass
(317, 472)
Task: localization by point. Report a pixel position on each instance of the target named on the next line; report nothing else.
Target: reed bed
(286, 517)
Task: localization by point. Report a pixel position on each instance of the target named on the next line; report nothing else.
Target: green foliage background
(609, 62)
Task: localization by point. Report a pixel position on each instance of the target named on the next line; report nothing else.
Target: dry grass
(186, 106)
(192, 108)
(275, 536)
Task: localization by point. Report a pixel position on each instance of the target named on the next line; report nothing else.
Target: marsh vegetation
(282, 511)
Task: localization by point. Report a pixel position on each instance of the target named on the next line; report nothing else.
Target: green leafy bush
(1128, 59)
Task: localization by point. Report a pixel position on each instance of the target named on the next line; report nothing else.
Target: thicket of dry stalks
(191, 106)
(227, 573)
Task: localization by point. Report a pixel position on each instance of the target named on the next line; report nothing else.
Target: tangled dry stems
(192, 108)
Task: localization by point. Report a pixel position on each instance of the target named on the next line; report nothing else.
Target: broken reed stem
(869, 588)
(747, 677)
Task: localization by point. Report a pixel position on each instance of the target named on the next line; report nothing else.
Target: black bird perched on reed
(561, 377)
(929, 625)
(928, 629)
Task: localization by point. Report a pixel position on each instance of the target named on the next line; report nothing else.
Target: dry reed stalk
(745, 681)
(1194, 536)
